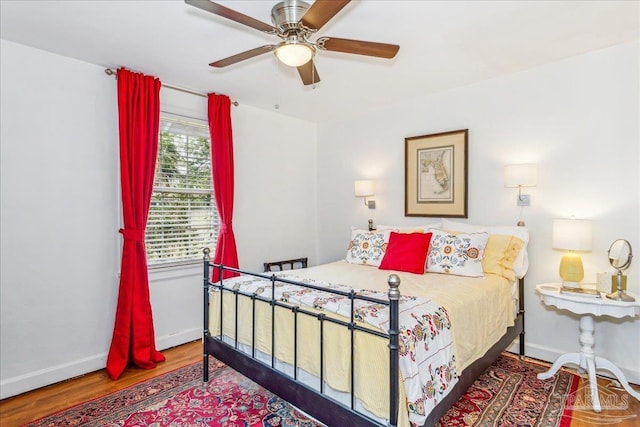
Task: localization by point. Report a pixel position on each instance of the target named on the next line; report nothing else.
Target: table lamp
(573, 235)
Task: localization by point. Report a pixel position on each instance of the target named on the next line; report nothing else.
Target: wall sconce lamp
(524, 175)
(365, 189)
(572, 235)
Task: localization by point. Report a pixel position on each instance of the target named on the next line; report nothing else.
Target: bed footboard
(313, 402)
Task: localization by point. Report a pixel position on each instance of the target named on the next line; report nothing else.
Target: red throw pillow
(406, 252)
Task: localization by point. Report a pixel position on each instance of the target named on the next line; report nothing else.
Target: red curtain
(139, 117)
(222, 172)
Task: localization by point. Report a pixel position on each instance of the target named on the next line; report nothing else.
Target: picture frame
(436, 168)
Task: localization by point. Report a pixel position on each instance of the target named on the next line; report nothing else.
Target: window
(182, 218)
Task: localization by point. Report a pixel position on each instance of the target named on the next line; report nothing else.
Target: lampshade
(364, 188)
(294, 54)
(572, 234)
(524, 175)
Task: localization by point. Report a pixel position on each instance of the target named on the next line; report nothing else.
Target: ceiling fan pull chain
(278, 84)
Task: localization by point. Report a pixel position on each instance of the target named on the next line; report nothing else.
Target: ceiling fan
(295, 21)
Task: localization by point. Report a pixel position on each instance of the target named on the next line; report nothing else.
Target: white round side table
(588, 307)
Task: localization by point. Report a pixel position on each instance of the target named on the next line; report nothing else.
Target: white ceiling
(443, 44)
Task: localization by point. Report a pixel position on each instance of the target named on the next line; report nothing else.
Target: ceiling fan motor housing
(286, 15)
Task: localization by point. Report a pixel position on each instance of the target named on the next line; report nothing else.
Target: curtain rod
(111, 72)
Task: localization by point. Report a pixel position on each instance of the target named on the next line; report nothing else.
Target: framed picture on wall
(436, 174)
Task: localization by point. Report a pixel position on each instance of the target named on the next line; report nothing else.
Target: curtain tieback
(132, 234)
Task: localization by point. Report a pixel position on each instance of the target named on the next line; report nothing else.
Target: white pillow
(521, 264)
(367, 248)
(457, 254)
(409, 228)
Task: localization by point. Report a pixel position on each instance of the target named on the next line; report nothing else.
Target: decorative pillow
(366, 247)
(406, 252)
(459, 254)
(501, 254)
(521, 264)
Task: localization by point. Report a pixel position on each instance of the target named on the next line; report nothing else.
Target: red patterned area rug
(179, 399)
(509, 394)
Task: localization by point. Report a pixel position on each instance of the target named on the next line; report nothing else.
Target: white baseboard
(549, 354)
(168, 341)
(51, 375)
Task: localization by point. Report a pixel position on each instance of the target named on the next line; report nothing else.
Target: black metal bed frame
(317, 404)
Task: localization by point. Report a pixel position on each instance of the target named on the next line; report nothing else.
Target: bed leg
(521, 313)
(205, 367)
(394, 302)
(205, 323)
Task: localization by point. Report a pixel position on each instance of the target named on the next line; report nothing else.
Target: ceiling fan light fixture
(294, 54)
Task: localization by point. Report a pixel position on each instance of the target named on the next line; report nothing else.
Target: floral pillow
(367, 248)
(521, 263)
(457, 254)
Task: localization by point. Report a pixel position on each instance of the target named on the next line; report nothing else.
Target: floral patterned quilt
(427, 360)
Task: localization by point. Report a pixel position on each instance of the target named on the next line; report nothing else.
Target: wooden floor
(27, 407)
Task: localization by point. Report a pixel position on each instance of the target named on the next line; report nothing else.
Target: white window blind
(183, 218)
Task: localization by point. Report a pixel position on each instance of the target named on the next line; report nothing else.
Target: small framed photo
(436, 174)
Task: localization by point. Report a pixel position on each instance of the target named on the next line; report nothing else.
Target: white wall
(577, 119)
(60, 214)
(275, 206)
